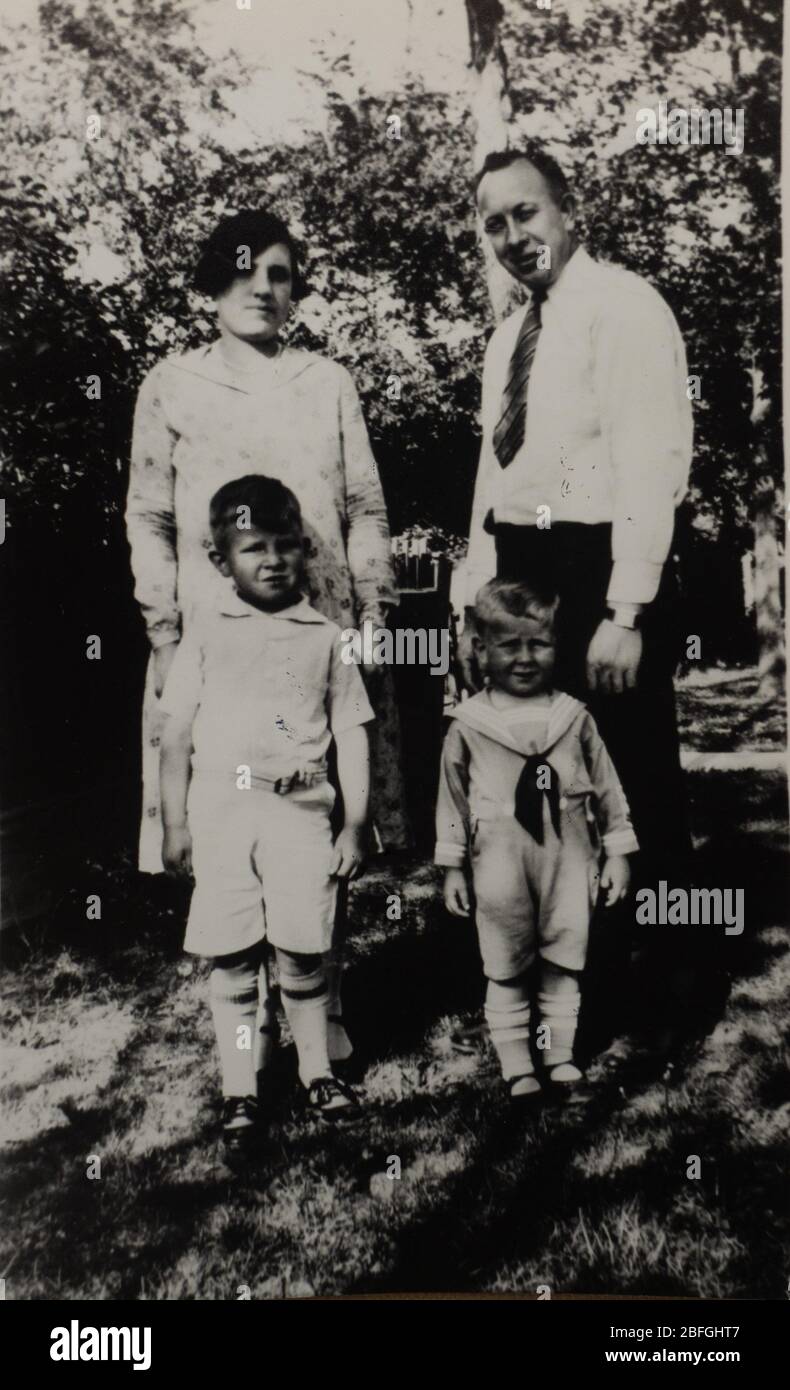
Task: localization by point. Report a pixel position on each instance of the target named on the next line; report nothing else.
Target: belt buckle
(283, 785)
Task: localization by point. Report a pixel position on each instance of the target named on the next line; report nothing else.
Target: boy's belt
(302, 777)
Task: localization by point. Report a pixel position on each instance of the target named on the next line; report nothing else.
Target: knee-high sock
(304, 996)
(264, 1040)
(340, 1048)
(233, 991)
(507, 1016)
(561, 1012)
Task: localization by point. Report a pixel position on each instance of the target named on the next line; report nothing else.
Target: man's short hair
(510, 598)
(535, 155)
(271, 506)
(254, 229)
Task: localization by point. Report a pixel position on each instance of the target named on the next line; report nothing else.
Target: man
(585, 455)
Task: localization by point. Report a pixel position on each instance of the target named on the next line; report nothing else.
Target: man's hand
(613, 658)
(615, 878)
(177, 851)
(349, 856)
(163, 660)
(456, 892)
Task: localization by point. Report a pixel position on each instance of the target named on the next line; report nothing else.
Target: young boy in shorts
(254, 698)
(528, 796)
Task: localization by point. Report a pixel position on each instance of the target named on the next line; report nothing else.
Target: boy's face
(267, 567)
(517, 654)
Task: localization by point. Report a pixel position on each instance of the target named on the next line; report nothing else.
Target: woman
(248, 403)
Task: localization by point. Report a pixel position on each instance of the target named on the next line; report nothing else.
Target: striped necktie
(509, 433)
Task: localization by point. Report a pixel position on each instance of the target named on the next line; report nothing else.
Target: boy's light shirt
(481, 768)
(263, 690)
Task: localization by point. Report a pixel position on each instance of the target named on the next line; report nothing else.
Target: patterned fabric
(510, 429)
(199, 424)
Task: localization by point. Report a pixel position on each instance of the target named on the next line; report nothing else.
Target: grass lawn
(721, 710)
(110, 1054)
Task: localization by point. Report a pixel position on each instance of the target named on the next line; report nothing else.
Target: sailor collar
(525, 731)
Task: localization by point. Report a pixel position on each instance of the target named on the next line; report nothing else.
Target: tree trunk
(490, 114)
(767, 600)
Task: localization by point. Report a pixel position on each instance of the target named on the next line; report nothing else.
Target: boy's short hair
(510, 598)
(272, 507)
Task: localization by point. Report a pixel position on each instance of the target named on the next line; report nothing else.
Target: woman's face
(255, 306)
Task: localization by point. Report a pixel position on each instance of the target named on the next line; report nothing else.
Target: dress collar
(234, 607)
(209, 364)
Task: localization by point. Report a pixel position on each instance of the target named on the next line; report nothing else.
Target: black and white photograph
(394, 802)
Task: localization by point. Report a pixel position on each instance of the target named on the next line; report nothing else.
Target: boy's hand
(615, 878)
(456, 892)
(349, 855)
(177, 851)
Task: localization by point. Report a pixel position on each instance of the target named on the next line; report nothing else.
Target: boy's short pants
(532, 899)
(261, 862)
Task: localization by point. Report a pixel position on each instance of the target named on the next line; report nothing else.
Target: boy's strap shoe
(332, 1098)
(240, 1123)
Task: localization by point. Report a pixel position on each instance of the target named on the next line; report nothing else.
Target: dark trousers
(639, 727)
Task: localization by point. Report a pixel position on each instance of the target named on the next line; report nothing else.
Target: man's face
(520, 217)
(517, 655)
(255, 305)
(267, 567)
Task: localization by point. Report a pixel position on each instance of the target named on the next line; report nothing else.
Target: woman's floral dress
(199, 423)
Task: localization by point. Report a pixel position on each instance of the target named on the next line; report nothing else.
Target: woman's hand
(163, 660)
(177, 851)
(456, 892)
(615, 878)
(349, 856)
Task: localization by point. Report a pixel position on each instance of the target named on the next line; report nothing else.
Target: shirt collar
(573, 274)
(234, 607)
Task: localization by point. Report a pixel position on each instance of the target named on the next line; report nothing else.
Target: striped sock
(233, 991)
(304, 999)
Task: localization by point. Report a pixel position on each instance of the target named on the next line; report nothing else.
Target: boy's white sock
(561, 1013)
(340, 1048)
(233, 991)
(304, 1000)
(507, 1016)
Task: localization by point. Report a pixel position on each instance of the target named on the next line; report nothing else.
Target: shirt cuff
(448, 855)
(620, 842)
(633, 581)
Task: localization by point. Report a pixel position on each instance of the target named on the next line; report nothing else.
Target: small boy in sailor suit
(528, 802)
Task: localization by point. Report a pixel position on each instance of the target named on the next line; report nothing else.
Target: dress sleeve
(183, 688)
(347, 701)
(612, 812)
(452, 806)
(150, 514)
(368, 538)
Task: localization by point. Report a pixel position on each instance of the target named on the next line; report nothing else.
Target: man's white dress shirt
(608, 429)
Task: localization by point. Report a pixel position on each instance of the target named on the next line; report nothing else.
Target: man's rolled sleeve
(646, 418)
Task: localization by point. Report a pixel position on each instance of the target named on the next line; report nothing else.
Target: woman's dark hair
(252, 230)
(269, 506)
